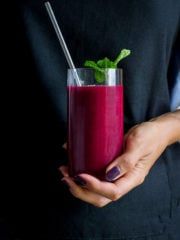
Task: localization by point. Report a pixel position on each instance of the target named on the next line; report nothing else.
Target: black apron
(93, 30)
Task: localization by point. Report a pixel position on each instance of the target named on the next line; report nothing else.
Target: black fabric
(92, 29)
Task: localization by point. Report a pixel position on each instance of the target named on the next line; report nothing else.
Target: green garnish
(105, 63)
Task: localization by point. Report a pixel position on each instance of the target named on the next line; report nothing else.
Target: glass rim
(113, 76)
(86, 68)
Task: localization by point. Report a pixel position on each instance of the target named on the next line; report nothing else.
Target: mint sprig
(105, 63)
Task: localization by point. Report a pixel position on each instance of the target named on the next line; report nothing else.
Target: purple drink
(95, 127)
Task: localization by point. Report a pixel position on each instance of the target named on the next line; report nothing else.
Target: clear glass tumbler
(95, 121)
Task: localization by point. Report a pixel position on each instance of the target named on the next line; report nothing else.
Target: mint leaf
(100, 76)
(93, 65)
(99, 72)
(105, 63)
(124, 53)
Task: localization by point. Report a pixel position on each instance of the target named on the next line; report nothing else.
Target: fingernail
(113, 173)
(65, 183)
(79, 181)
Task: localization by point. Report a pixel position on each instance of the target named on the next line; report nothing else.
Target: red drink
(95, 127)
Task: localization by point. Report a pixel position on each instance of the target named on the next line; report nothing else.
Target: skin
(144, 143)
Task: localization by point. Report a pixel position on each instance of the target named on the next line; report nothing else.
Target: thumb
(121, 165)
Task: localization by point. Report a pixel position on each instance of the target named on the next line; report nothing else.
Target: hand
(144, 143)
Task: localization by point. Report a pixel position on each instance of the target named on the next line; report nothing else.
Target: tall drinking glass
(95, 121)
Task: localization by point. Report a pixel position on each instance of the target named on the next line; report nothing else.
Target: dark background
(31, 133)
(24, 116)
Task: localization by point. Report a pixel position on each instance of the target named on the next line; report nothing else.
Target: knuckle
(128, 162)
(136, 136)
(75, 193)
(138, 132)
(140, 180)
(115, 195)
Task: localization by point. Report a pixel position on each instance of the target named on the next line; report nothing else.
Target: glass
(95, 121)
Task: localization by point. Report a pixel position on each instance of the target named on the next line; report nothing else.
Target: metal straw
(62, 42)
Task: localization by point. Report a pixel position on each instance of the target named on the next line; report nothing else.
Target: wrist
(169, 126)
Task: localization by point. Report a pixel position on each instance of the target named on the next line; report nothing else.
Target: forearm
(169, 125)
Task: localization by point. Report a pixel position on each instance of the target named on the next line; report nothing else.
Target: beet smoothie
(95, 127)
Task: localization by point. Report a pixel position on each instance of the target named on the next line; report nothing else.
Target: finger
(86, 195)
(133, 152)
(120, 187)
(103, 188)
(121, 165)
(64, 145)
(64, 171)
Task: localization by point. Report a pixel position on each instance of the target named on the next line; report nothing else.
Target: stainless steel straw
(62, 41)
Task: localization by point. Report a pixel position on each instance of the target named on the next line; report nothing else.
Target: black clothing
(93, 29)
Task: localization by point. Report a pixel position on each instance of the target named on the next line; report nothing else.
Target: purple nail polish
(80, 181)
(113, 173)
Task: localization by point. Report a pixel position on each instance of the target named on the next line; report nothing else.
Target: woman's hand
(143, 145)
